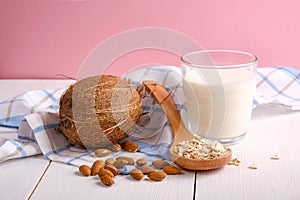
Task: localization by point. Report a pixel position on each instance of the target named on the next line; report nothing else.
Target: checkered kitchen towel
(28, 121)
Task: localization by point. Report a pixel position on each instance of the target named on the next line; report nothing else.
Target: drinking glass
(219, 86)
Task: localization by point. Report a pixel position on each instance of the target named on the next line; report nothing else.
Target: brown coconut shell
(99, 110)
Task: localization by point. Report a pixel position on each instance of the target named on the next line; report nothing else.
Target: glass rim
(205, 66)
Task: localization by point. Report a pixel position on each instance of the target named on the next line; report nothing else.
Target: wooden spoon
(180, 132)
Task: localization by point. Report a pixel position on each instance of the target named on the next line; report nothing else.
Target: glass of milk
(219, 86)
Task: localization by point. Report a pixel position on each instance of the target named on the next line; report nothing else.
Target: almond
(129, 160)
(112, 168)
(159, 164)
(146, 169)
(130, 146)
(85, 170)
(102, 152)
(140, 162)
(103, 172)
(107, 180)
(97, 165)
(136, 174)
(171, 170)
(110, 161)
(120, 163)
(157, 175)
(115, 147)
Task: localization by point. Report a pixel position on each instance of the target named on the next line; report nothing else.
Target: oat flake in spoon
(201, 149)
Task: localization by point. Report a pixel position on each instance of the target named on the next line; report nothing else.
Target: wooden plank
(64, 182)
(18, 177)
(272, 131)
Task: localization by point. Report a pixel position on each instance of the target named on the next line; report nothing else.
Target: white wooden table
(273, 130)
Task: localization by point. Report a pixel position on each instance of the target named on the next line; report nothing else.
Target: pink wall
(40, 39)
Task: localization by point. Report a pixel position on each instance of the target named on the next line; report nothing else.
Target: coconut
(99, 110)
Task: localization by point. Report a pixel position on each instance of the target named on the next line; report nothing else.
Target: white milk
(210, 113)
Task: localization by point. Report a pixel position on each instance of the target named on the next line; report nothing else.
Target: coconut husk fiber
(99, 110)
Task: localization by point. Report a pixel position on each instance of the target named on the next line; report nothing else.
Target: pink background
(40, 39)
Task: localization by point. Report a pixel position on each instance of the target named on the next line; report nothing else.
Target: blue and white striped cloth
(28, 121)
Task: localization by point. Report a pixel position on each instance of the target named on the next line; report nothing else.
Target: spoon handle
(164, 98)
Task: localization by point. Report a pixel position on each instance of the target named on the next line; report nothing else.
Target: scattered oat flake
(275, 157)
(253, 166)
(235, 162)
